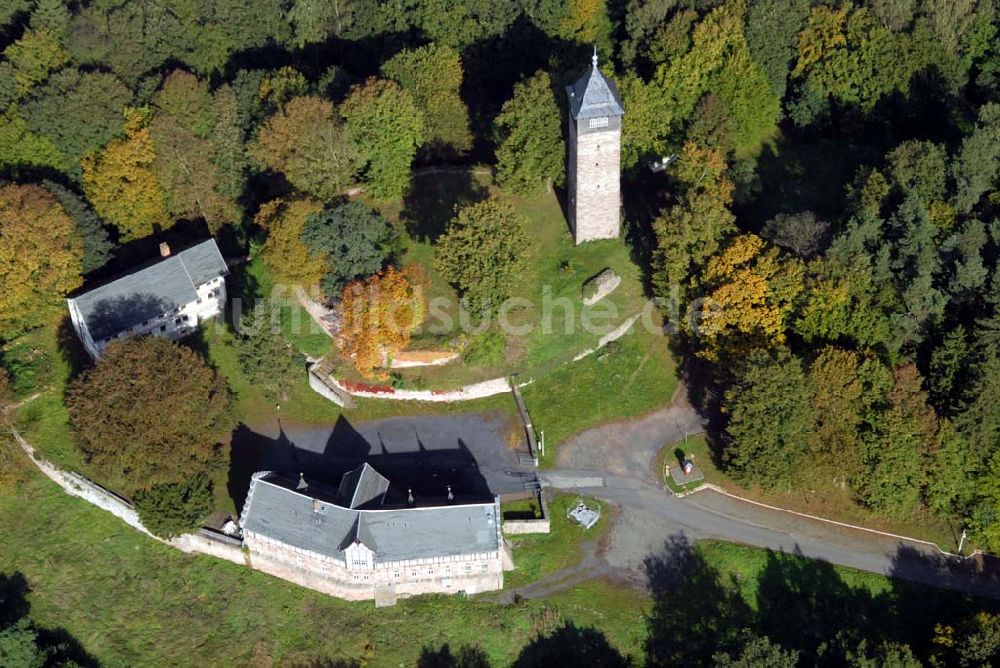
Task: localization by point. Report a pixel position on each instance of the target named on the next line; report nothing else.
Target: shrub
(485, 350)
(172, 509)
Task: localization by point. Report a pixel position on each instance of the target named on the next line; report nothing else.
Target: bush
(172, 509)
(485, 350)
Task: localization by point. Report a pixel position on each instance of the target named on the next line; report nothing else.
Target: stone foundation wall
(330, 576)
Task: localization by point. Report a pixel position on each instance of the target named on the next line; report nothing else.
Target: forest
(825, 236)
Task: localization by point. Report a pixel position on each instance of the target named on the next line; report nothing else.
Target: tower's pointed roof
(594, 95)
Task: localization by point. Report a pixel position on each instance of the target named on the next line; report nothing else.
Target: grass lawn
(550, 325)
(632, 376)
(538, 555)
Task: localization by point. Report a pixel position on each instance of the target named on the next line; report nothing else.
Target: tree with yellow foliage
(377, 315)
(286, 256)
(121, 184)
(749, 292)
(41, 257)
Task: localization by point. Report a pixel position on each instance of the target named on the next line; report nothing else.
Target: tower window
(601, 122)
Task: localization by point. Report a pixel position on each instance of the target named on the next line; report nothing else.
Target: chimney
(164, 249)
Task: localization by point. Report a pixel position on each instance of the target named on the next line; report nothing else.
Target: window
(163, 328)
(177, 321)
(601, 122)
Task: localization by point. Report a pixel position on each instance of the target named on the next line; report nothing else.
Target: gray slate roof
(594, 96)
(276, 510)
(362, 486)
(151, 291)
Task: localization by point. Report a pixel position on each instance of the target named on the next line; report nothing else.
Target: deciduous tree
(483, 253)
(433, 76)
(285, 254)
(750, 290)
(79, 111)
(121, 184)
(531, 151)
(185, 164)
(150, 412)
(896, 457)
(388, 126)
(770, 420)
(306, 141)
(772, 29)
(40, 258)
(229, 149)
(34, 57)
(691, 230)
(377, 316)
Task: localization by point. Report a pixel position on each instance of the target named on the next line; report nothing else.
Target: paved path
(623, 455)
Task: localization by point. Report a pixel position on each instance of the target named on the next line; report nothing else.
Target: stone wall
(318, 384)
(595, 198)
(76, 485)
(519, 527)
(448, 575)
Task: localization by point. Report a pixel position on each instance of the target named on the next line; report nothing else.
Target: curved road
(623, 455)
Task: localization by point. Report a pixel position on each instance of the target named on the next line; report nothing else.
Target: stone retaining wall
(325, 389)
(76, 485)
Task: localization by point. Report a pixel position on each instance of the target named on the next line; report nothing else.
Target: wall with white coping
(487, 388)
(317, 383)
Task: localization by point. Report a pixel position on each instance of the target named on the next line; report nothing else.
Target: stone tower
(595, 132)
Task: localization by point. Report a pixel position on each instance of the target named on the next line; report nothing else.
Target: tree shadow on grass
(468, 656)
(695, 612)
(55, 647)
(570, 645)
(434, 199)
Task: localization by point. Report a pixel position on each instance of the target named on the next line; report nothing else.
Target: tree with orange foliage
(377, 315)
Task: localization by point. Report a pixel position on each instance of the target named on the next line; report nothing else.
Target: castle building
(357, 543)
(166, 298)
(594, 183)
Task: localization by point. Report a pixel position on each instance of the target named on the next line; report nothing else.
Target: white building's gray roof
(594, 95)
(149, 292)
(312, 521)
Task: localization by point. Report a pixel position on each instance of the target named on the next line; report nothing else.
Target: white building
(354, 545)
(594, 174)
(167, 298)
